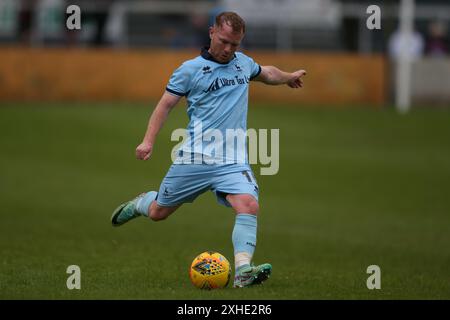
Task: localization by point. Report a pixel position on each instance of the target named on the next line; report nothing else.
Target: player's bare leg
(244, 241)
(243, 203)
(158, 213)
(143, 205)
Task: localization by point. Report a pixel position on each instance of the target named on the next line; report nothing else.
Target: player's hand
(144, 151)
(295, 80)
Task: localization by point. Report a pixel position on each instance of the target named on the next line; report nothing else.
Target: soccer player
(215, 85)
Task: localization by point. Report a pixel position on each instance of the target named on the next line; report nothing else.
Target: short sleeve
(255, 69)
(179, 82)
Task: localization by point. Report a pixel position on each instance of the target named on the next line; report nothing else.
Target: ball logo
(209, 267)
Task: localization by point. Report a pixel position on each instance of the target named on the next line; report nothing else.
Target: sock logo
(251, 244)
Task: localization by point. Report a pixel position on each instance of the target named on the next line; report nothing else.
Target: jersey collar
(206, 55)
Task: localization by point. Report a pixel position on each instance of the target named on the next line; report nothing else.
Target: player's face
(224, 42)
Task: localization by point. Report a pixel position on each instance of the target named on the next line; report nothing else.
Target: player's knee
(251, 206)
(254, 207)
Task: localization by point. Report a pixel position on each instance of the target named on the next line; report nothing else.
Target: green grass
(356, 187)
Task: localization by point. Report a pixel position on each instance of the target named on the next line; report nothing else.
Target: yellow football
(210, 270)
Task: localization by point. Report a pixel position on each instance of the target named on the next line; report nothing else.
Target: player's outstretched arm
(274, 76)
(157, 119)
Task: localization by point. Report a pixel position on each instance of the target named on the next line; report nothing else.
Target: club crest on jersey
(238, 68)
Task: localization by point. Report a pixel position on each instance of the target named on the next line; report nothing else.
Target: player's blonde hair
(232, 19)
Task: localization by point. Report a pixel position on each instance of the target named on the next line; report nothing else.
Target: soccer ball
(210, 270)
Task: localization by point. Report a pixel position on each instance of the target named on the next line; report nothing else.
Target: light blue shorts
(185, 182)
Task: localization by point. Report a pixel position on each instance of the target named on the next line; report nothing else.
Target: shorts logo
(166, 191)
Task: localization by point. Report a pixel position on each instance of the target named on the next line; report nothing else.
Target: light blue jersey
(217, 98)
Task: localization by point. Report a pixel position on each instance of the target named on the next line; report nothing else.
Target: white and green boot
(251, 275)
(126, 212)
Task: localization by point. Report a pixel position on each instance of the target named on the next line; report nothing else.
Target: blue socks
(144, 203)
(244, 238)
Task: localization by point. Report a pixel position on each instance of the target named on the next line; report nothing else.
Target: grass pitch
(356, 187)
